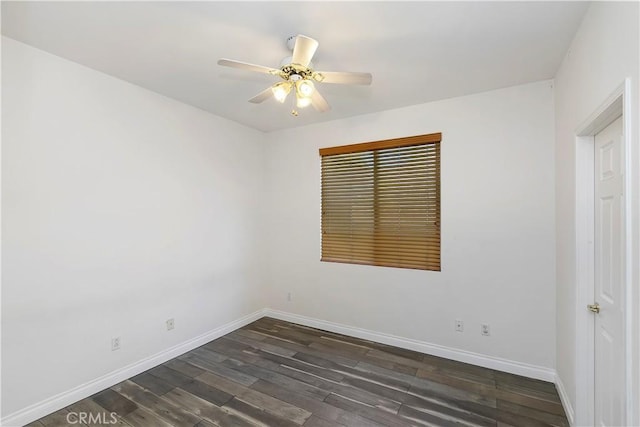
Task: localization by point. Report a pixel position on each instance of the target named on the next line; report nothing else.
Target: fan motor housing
(295, 72)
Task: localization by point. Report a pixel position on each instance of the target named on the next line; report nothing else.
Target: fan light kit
(298, 75)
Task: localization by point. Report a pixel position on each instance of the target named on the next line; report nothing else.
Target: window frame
(432, 254)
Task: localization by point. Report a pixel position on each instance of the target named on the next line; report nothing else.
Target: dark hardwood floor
(277, 373)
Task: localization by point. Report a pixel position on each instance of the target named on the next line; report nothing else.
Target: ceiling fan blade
(262, 96)
(247, 66)
(303, 50)
(343, 77)
(318, 102)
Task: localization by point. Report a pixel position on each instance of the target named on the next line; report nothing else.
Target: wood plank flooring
(275, 373)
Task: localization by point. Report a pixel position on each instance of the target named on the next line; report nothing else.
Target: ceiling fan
(298, 75)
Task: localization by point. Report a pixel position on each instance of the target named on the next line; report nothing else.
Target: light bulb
(280, 91)
(305, 87)
(303, 102)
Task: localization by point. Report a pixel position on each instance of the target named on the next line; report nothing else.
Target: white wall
(604, 52)
(498, 245)
(121, 209)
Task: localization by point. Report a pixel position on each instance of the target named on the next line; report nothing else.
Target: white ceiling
(417, 51)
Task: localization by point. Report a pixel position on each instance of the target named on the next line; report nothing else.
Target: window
(381, 203)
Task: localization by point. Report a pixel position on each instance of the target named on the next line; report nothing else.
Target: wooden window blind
(381, 203)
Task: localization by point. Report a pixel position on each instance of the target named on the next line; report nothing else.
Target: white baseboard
(564, 398)
(505, 365)
(59, 401)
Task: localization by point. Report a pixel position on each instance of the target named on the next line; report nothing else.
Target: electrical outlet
(170, 324)
(459, 325)
(115, 343)
(289, 296)
(484, 329)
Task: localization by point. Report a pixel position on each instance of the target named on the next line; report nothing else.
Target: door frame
(616, 105)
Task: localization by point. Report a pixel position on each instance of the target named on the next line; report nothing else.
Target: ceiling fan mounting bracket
(291, 42)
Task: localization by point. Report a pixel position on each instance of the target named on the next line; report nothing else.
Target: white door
(609, 290)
